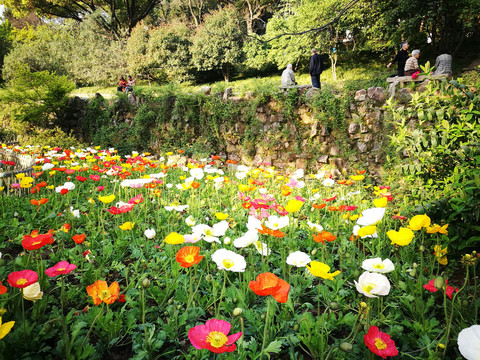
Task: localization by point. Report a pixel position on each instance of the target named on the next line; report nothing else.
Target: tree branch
(321, 28)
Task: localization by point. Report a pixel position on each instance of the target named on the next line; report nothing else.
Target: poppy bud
(413, 272)
(146, 283)
(237, 311)
(465, 303)
(209, 277)
(334, 305)
(439, 282)
(296, 327)
(314, 252)
(421, 248)
(414, 265)
(346, 346)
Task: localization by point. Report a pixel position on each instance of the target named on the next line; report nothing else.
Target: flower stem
(267, 321)
(91, 326)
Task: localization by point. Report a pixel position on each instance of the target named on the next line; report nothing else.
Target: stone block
(362, 147)
(377, 94)
(206, 90)
(363, 129)
(323, 159)
(334, 150)
(353, 128)
(360, 95)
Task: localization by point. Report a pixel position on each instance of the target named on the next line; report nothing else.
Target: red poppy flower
(122, 299)
(121, 210)
(330, 199)
(64, 191)
(80, 178)
(9, 163)
(323, 236)
(22, 279)
(269, 284)
(215, 157)
(449, 289)
(380, 343)
(94, 177)
(136, 200)
(188, 256)
(79, 238)
(35, 240)
(69, 171)
(3, 289)
(350, 207)
(62, 267)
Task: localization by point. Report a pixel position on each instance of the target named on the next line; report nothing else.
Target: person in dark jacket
(316, 68)
(401, 58)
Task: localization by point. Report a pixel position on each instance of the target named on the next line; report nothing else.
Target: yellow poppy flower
(367, 230)
(221, 216)
(382, 202)
(437, 229)
(441, 254)
(321, 270)
(293, 205)
(419, 221)
(107, 199)
(401, 237)
(127, 225)
(174, 238)
(5, 328)
(357, 177)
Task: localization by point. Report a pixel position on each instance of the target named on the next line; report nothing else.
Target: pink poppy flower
(380, 343)
(22, 279)
(15, 186)
(62, 267)
(100, 188)
(94, 177)
(214, 336)
(136, 200)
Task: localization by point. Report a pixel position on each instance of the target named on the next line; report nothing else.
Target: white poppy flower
(298, 259)
(190, 221)
(32, 292)
(377, 265)
(315, 227)
(328, 182)
(176, 207)
(197, 173)
(250, 237)
(253, 223)
(228, 260)
(371, 216)
(150, 233)
(469, 342)
(210, 234)
(240, 175)
(372, 284)
(275, 222)
(262, 248)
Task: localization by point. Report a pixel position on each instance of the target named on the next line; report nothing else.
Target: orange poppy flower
(247, 205)
(188, 256)
(79, 238)
(195, 185)
(66, 227)
(267, 231)
(269, 284)
(3, 289)
(361, 172)
(321, 206)
(332, 208)
(37, 203)
(323, 236)
(100, 291)
(341, 182)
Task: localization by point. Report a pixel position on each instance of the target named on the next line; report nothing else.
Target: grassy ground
(359, 77)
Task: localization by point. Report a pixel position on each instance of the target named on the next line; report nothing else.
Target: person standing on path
(400, 59)
(315, 69)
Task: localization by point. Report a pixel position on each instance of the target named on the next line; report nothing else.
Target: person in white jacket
(288, 77)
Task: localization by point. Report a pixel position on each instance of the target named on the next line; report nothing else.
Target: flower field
(110, 257)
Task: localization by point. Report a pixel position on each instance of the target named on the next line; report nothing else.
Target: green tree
(217, 44)
(6, 41)
(36, 99)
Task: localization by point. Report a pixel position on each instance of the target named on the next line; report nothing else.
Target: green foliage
(217, 44)
(83, 52)
(435, 145)
(36, 98)
(6, 41)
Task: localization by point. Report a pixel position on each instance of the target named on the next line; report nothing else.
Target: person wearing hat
(315, 69)
(400, 59)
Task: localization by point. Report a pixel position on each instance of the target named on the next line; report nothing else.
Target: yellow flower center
(227, 263)
(368, 287)
(36, 243)
(22, 281)
(189, 258)
(217, 339)
(380, 344)
(104, 294)
(379, 266)
(209, 232)
(61, 269)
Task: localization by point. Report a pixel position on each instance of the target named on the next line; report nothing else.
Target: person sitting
(443, 63)
(288, 77)
(411, 66)
(400, 59)
(122, 84)
(130, 84)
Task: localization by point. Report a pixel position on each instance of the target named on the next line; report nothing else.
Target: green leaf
(274, 347)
